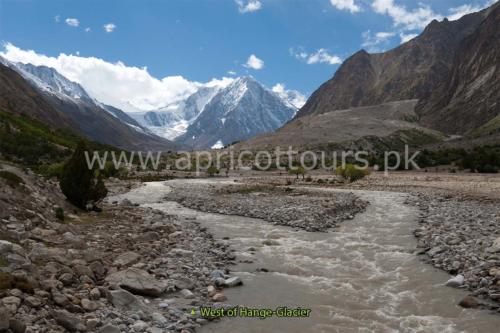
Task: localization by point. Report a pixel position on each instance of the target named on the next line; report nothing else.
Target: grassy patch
(32, 143)
(491, 127)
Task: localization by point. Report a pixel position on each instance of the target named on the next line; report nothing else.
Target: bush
(59, 213)
(297, 171)
(212, 170)
(79, 183)
(11, 179)
(351, 172)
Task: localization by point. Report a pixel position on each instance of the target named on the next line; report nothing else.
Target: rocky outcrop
(469, 97)
(411, 71)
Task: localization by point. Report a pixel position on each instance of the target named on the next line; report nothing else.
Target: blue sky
(299, 43)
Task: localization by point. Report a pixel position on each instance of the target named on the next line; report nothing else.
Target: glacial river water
(362, 277)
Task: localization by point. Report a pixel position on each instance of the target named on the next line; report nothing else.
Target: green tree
(212, 170)
(298, 171)
(351, 173)
(78, 182)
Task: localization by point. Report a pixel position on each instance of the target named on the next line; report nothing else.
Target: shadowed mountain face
(17, 96)
(42, 93)
(410, 71)
(469, 98)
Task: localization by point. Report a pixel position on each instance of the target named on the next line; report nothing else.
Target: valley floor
(142, 267)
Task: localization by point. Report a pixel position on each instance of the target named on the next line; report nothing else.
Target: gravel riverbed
(298, 208)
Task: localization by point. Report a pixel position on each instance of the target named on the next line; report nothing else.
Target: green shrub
(297, 171)
(351, 172)
(212, 170)
(59, 213)
(79, 183)
(11, 179)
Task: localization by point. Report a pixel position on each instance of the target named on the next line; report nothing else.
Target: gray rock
(233, 282)
(186, 293)
(4, 319)
(17, 326)
(124, 300)
(455, 282)
(126, 259)
(137, 281)
(109, 329)
(68, 321)
(495, 247)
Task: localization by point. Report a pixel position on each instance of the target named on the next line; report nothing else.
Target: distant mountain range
(214, 117)
(210, 118)
(42, 93)
(451, 71)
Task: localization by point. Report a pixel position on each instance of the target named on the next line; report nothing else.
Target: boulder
(455, 282)
(124, 300)
(68, 321)
(495, 247)
(233, 282)
(469, 302)
(137, 281)
(126, 259)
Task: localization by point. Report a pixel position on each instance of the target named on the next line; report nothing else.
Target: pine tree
(78, 182)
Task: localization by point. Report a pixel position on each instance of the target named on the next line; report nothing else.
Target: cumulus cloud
(57, 18)
(72, 22)
(231, 72)
(248, 6)
(404, 18)
(406, 37)
(129, 88)
(348, 5)
(457, 12)
(254, 63)
(376, 42)
(109, 27)
(321, 56)
(291, 96)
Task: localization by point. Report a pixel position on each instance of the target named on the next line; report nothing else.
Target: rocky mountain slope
(371, 127)
(469, 98)
(240, 111)
(411, 71)
(53, 99)
(17, 96)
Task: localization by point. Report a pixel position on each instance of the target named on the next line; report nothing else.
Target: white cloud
(406, 37)
(254, 63)
(87, 29)
(109, 27)
(408, 20)
(376, 42)
(346, 5)
(57, 18)
(291, 96)
(231, 72)
(248, 6)
(72, 22)
(318, 57)
(127, 87)
(457, 12)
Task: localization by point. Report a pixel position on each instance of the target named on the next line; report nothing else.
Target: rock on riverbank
(461, 235)
(299, 208)
(127, 269)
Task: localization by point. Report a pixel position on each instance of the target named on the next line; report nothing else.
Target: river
(361, 277)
